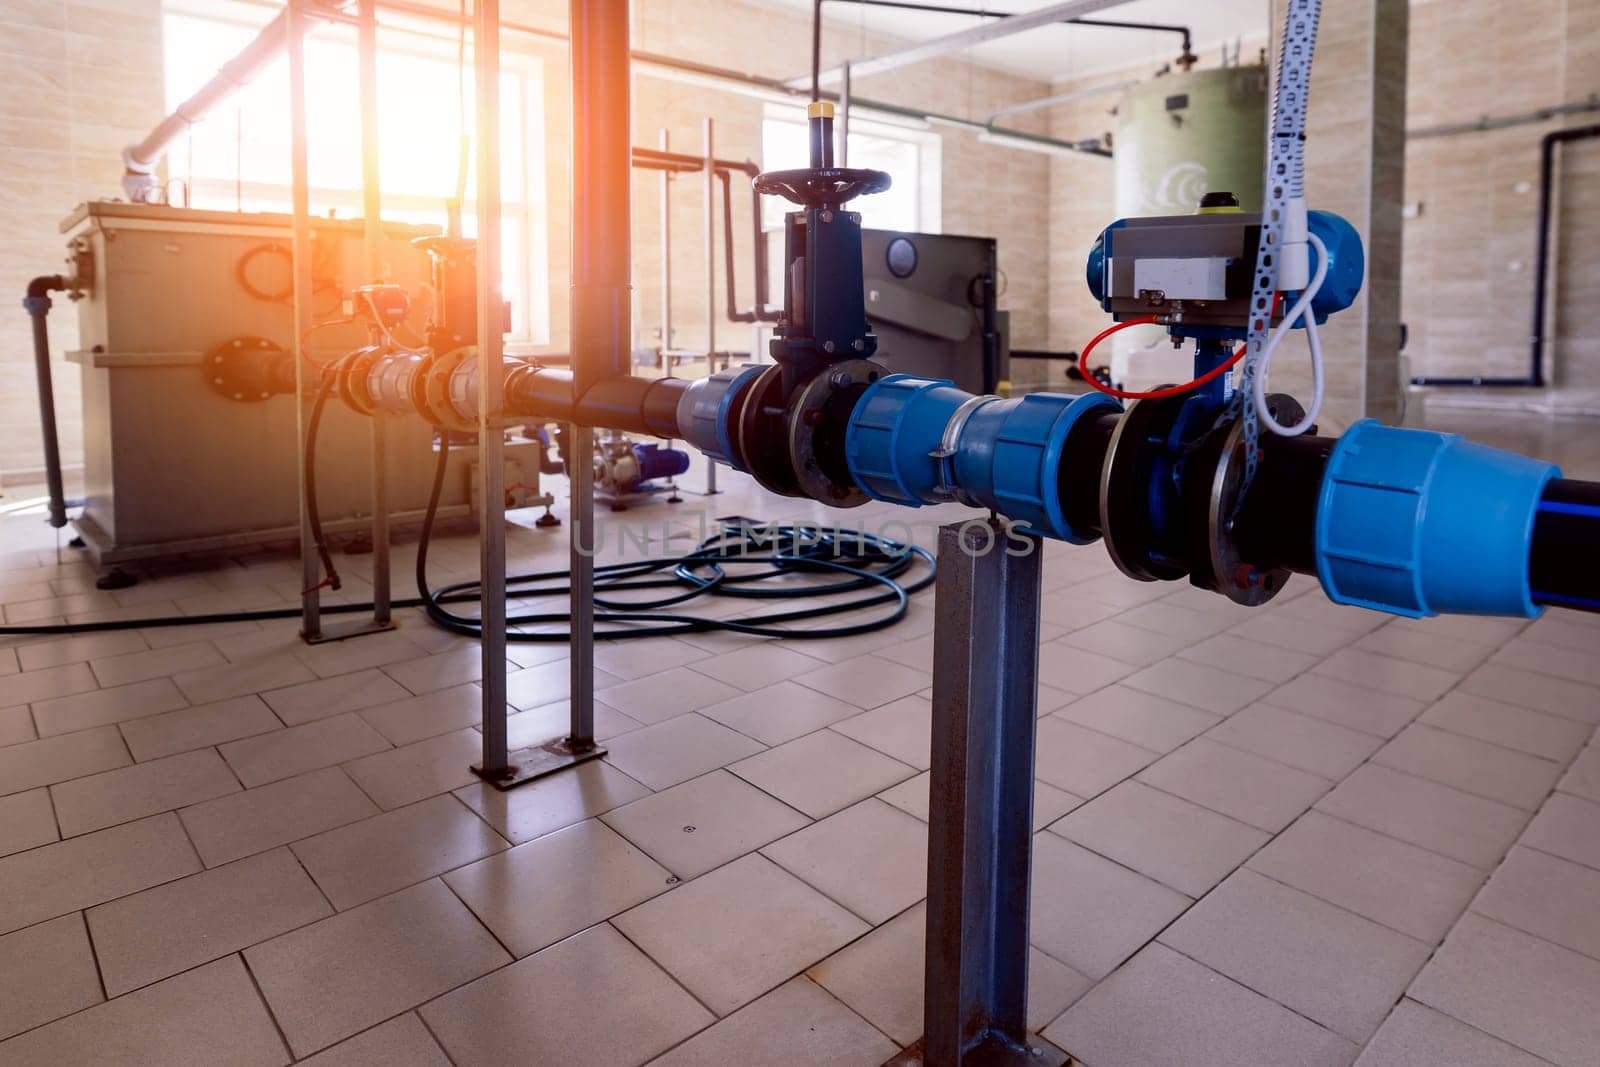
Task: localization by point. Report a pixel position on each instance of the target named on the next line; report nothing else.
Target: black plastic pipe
(37, 304)
(1535, 377)
(1563, 566)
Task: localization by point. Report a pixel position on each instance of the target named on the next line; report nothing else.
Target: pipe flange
(761, 436)
(353, 373)
(1125, 490)
(1223, 568)
(817, 418)
(250, 369)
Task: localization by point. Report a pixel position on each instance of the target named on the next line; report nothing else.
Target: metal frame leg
(980, 812)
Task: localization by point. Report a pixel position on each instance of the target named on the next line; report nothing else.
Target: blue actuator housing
(1417, 523)
(918, 441)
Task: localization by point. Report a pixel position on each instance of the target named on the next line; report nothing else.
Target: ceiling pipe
(1063, 98)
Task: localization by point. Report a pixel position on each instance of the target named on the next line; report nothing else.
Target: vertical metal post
(844, 117)
(491, 379)
(300, 248)
(707, 137)
(580, 468)
(663, 141)
(372, 232)
(980, 825)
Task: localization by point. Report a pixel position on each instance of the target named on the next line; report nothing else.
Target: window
(911, 158)
(238, 158)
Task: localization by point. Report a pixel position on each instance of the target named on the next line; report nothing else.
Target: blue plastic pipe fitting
(918, 441)
(1417, 523)
(705, 412)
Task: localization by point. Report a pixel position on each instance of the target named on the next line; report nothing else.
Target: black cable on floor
(740, 560)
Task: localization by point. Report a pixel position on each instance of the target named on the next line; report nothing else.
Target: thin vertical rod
(580, 473)
(300, 248)
(981, 795)
(664, 142)
(491, 381)
(372, 247)
(844, 117)
(708, 140)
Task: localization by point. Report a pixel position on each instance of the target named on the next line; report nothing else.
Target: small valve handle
(822, 184)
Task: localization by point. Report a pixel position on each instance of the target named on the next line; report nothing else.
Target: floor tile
(917, 653)
(83, 871)
(592, 1000)
(659, 697)
(1073, 612)
(822, 772)
(780, 712)
(1471, 766)
(151, 935)
(1399, 677)
(1400, 885)
(132, 667)
(1199, 685)
(1530, 689)
(756, 667)
(1583, 777)
(1081, 761)
(1568, 827)
(1164, 1008)
(731, 935)
(308, 701)
(635, 659)
(796, 1023)
(413, 772)
(365, 860)
(1417, 647)
(401, 1042)
(80, 648)
(1300, 741)
(424, 674)
(1241, 785)
(1049, 803)
(1534, 732)
(704, 823)
(1179, 844)
(236, 679)
(901, 729)
(1545, 896)
(1573, 664)
(188, 729)
(1315, 608)
(1471, 829)
(389, 955)
(46, 971)
(547, 804)
(26, 821)
(870, 857)
(1090, 913)
(1415, 1035)
(880, 976)
(1523, 990)
(539, 724)
(285, 753)
(1173, 620)
(547, 683)
(676, 750)
(105, 706)
(211, 1015)
(1249, 658)
(1127, 643)
(47, 683)
(110, 797)
(271, 815)
(1326, 963)
(417, 718)
(1272, 627)
(372, 650)
(1343, 704)
(866, 682)
(1065, 665)
(1561, 632)
(538, 893)
(1144, 719)
(16, 725)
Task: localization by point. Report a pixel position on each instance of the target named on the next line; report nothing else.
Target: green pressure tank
(1187, 133)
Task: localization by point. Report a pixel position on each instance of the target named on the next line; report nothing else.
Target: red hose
(1151, 394)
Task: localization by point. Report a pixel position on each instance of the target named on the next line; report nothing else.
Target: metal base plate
(991, 1052)
(343, 631)
(536, 761)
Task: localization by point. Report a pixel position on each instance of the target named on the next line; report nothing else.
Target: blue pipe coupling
(705, 412)
(1417, 523)
(918, 441)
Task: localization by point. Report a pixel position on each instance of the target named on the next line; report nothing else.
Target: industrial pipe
(37, 304)
(139, 160)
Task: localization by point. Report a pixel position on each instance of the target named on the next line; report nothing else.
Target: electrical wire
(1155, 394)
(313, 514)
(1300, 310)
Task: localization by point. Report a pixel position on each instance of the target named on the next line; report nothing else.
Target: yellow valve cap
(820, 109)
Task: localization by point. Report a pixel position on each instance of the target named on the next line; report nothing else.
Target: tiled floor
(1301, 835)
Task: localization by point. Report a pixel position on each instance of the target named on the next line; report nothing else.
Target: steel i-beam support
(300, 259)
(980, 811)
